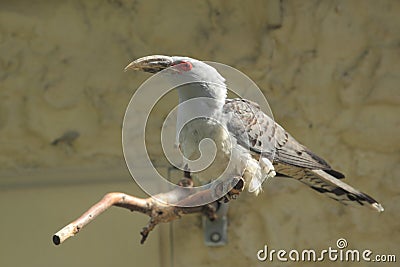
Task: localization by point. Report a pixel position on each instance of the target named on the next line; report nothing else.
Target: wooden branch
(159, 212)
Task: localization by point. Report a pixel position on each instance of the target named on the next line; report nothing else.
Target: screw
(215, 237)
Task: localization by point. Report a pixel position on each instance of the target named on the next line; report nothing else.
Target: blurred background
(329, 69)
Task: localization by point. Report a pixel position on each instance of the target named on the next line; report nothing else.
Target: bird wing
(259, 133)
(262, 135)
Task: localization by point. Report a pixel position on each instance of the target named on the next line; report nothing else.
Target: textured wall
(330, 70)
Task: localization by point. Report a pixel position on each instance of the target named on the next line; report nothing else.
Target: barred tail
(324, 183)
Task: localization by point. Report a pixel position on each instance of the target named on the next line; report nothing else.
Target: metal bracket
(215, 232)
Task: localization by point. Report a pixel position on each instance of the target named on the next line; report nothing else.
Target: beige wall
(330, 70)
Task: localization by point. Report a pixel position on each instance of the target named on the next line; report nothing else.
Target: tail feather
(323, 182)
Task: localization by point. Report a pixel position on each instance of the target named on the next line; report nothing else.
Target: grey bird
(265, 149)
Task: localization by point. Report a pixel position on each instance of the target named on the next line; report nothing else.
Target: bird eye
(183, 66)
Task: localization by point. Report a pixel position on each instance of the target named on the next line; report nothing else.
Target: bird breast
(205, 143)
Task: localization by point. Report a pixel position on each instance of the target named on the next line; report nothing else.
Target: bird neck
(215, 91)
(200, 100)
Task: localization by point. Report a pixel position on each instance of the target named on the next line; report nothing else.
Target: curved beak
(150, 64)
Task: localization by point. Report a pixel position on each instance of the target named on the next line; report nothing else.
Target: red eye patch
(183, 66)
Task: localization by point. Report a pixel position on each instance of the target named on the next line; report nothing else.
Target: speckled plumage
(265, 147)
(289, 157)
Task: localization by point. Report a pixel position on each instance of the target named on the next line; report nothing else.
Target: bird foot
(237, 186)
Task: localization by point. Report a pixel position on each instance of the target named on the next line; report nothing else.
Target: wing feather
(255, 130)
(262, 135)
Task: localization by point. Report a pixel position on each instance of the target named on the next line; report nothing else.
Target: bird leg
(237, 186)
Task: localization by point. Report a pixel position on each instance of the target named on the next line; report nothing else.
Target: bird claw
(237, 186)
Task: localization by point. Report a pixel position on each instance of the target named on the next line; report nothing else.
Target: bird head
(184, 70)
